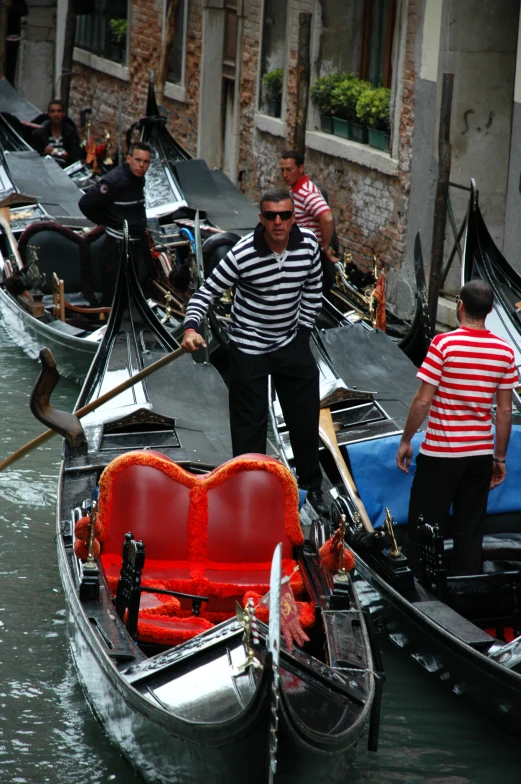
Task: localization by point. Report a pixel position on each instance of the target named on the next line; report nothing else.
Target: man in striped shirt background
(458, 463)
(275, 272)
(311, 211)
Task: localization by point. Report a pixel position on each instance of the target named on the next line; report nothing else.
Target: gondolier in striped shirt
(459, 460)
(116, 197)
(276, 275)
(311, 211)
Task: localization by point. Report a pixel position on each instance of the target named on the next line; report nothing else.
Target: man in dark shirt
(116, 197)
(58, 136)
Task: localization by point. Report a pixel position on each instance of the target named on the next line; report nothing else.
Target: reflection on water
(47, 731)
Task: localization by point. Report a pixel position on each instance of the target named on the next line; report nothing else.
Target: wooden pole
(303, 76)
(81, 412)
(3, 34)
(68, 47)
(440, 203)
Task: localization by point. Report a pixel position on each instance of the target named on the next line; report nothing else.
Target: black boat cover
(368, 360)
(195, 394)
(11, 101)
(44, 179)
(212, 191)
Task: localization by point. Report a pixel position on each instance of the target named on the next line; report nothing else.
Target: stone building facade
(216, 109)
(215, 103)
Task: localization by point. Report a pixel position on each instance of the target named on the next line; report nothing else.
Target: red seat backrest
(236, 514)
(252, 506)
(141, 492)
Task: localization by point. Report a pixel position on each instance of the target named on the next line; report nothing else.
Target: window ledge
(108, 67)
(358, 153)
(176, 92)
(273, 125)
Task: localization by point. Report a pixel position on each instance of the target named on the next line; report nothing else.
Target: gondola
(189, 686)
(465, 631)
(482, 259)
(50, 284)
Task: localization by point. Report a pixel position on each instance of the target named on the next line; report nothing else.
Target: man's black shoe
(316, 499)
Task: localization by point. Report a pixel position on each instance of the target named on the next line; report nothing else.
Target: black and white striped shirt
(273, 296)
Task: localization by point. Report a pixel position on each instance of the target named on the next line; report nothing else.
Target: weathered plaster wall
(478, 45)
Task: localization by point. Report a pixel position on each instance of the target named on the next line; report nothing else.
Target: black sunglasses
(272, 214)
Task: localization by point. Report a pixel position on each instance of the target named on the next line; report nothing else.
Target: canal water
(48, 733)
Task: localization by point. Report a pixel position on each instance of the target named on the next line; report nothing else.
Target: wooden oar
(327, 434)
(81, 412)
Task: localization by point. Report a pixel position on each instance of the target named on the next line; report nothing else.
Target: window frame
(277, 125)
(100, 61)
(176, 91)
(363, 154)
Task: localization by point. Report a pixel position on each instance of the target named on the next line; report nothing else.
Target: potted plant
(272, 84)
(345, 98)
(373, 110)
(322, 96)
(118, 38)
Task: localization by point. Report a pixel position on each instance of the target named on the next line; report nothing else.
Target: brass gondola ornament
(395, 551)
(247, 619)
(341, 575)
(89, 588)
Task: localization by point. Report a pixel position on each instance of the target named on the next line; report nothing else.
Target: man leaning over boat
(458, 462)
(277, 278)
(116, 197)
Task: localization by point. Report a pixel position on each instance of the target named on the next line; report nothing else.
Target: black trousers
(110, 258)
(295, 377)
(463, 482)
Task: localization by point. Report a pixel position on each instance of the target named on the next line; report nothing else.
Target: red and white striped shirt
(309, 205)
(467, 366)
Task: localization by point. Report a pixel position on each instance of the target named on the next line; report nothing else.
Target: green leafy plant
(345, 97)
(272, 84)
(321, 92)
(118, 30)
(373, 107)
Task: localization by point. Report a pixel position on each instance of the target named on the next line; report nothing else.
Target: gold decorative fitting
(394, 552)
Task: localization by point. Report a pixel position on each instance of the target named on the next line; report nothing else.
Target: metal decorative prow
(274, 648)
(395, 551)
(248, 621)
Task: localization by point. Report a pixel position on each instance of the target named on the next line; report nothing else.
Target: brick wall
(101, 91)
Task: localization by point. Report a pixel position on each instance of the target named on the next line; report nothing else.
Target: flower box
(359, 133)
(341, 127)
(326, 123)
(381, 140)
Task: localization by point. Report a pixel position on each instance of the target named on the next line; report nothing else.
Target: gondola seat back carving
(210, 535)
(75, 258)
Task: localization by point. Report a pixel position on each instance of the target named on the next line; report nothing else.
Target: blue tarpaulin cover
(381, 483)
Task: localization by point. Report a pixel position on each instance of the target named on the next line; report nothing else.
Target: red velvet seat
(212, 535)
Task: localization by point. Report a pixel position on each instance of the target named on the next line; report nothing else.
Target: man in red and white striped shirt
(458, 463)
(311, 211)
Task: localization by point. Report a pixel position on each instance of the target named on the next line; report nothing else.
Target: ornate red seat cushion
(212, 535)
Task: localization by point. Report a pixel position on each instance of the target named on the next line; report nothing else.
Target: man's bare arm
(503, 428)
(418, 411)
(327, 227)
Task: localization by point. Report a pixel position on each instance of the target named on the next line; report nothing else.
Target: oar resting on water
(66, 424)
